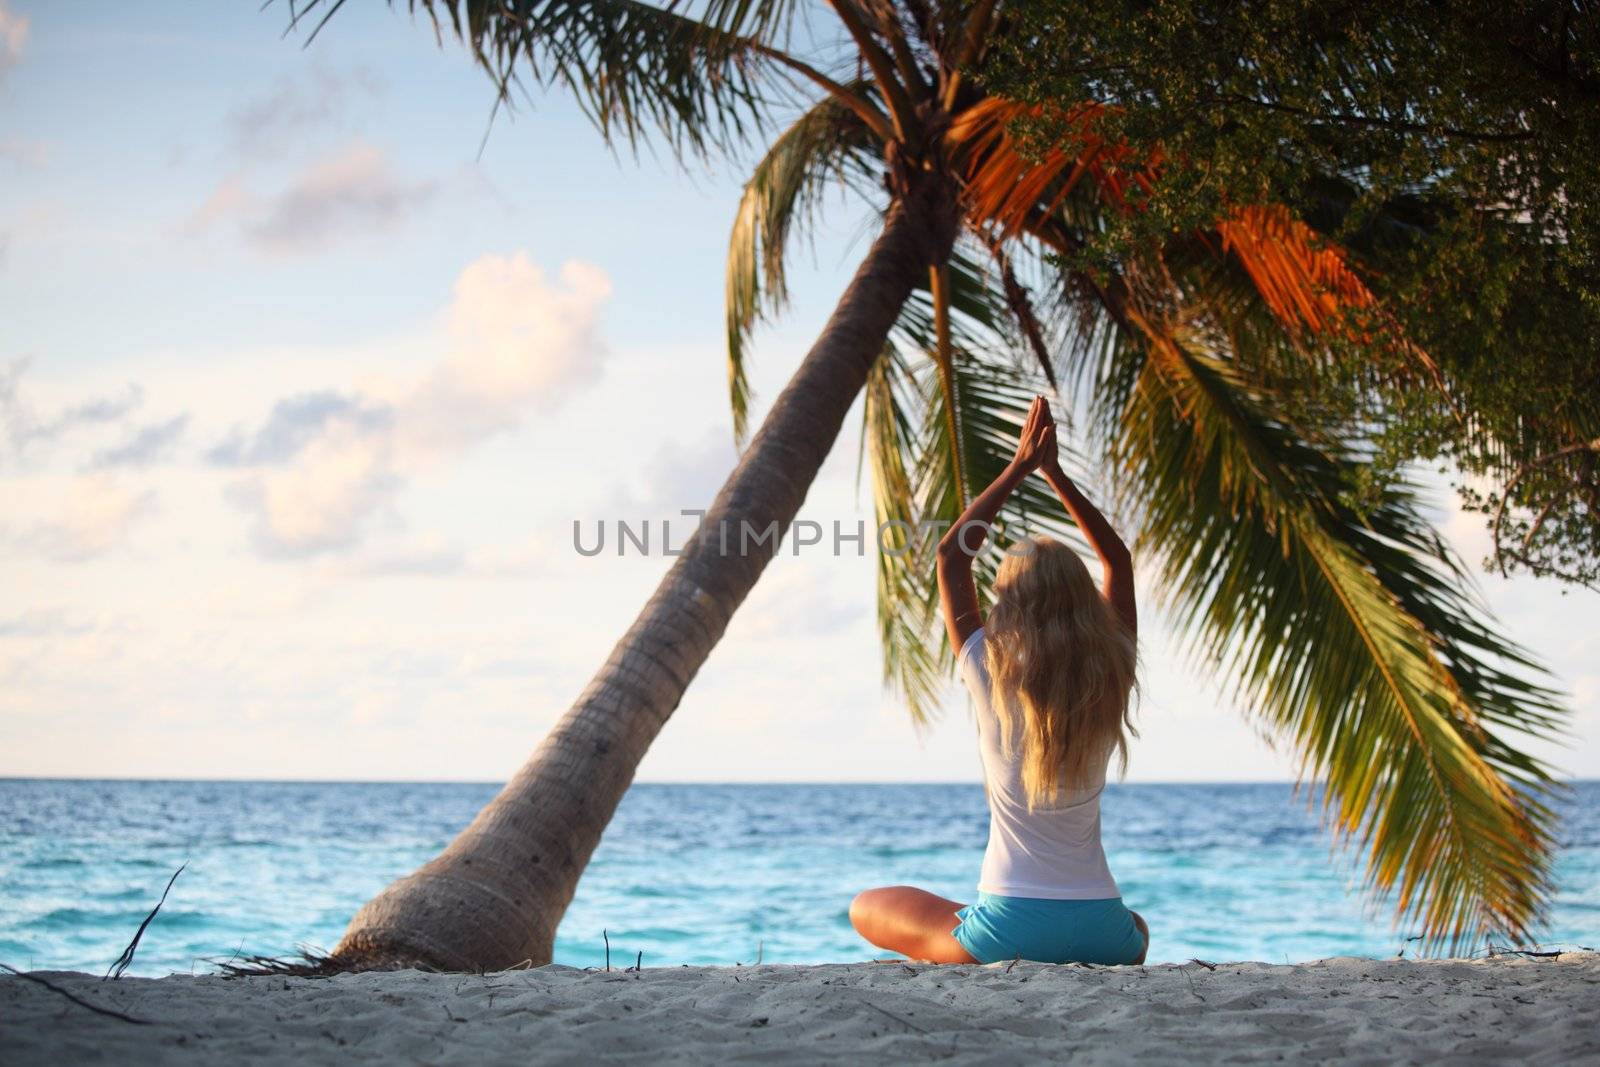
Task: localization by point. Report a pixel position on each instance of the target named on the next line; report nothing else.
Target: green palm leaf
(828, 143)
(889, 442)
(702, 80)
(907, 444)
(1353, 634)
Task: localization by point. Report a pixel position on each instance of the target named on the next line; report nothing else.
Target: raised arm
(958, 594)
(1117, 583)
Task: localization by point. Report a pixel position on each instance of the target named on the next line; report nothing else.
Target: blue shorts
(1049, 931)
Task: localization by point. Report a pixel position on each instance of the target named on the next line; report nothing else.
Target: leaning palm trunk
(494, 897)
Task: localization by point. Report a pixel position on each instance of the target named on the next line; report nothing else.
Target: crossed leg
(1138, 920)
(911, 921)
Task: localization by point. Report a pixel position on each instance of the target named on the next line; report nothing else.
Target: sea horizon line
(267, 780)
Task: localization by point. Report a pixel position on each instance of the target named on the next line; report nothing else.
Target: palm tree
(1345, 628)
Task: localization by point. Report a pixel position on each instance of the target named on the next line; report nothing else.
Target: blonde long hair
(1059, 655)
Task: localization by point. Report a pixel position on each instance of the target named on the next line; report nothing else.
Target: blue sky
(301, 396)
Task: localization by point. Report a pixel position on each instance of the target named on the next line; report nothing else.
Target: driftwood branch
(110, 1013)
(307, 964)
(116, 969)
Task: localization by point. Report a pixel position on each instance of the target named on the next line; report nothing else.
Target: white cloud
(320, 500)
(13, 35)
(676, 477)
(295, 422)
(96, 515)
(23, 429)
(308, 102)
(86, 517)
(147, 444)
(517, 342)
(64, 516)
(40, 623)
(348, 193)
(323, 464)
(230, 199)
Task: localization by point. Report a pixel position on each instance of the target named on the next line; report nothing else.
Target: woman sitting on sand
(1050, 674)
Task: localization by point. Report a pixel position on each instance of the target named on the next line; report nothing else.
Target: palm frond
(1311, 286)
(702, 79)
(944, 360)
(906, 616)
(1063, 190)
(1011, 184)
(909, 447)
(1302, 278)
(1353, 635)
(827, 144)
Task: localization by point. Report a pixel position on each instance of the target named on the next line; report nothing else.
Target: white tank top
(1052, 853)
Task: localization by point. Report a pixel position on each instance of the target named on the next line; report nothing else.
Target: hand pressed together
(1036, 445)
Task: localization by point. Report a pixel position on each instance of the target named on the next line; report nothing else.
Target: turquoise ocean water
(701, 874)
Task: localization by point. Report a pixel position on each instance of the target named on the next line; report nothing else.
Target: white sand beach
(1351, 1010)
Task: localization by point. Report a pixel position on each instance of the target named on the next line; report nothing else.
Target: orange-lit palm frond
(1005, 188)
(1306, 282)
(1302, 278)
